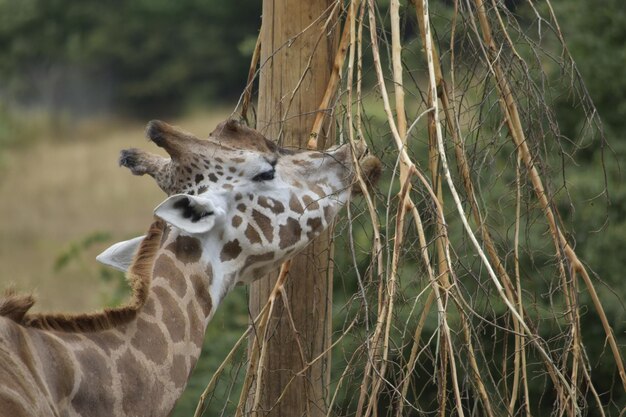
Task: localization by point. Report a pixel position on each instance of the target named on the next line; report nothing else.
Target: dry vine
(448, 314)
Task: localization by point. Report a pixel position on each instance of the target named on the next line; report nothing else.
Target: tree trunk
(296, 60)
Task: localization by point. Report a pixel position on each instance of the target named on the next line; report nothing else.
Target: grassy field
(56, 193)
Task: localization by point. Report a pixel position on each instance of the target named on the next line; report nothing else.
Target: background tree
(135, 57)
(297, 42)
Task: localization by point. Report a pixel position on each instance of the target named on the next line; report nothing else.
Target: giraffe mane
(15, 306)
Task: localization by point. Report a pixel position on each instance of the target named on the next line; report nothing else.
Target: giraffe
(238, 205)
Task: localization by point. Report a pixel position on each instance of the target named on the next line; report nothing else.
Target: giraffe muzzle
(370, 166)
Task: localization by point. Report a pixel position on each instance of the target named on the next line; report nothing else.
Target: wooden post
(298, 45)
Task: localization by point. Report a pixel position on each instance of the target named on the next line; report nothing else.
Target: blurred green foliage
(76, 249)
(76, 255)
(596, 35)
(149, 55)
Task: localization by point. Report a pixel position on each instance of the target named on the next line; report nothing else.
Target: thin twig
(247, 93)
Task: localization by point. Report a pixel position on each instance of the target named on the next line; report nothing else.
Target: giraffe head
(249, 203)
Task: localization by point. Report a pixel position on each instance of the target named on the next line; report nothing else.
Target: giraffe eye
(265, 176)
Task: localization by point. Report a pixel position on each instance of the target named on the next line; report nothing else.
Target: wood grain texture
(297, 53)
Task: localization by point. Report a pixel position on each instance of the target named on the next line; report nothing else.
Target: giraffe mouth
(371, 167)
(371, 171)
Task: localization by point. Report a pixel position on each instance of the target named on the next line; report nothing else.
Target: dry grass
(54, 193)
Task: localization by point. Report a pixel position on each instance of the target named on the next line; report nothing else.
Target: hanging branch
(433, 242)
(247, 93)
(335, 75)
(463, 218)
(517, 134)
(255, 366)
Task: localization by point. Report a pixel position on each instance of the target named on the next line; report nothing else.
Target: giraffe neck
(145, 364)
(148, 362)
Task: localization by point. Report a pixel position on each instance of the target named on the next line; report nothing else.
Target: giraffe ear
(120, 256)
(191, 214)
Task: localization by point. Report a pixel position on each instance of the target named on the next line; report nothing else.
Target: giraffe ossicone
(238, 205)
